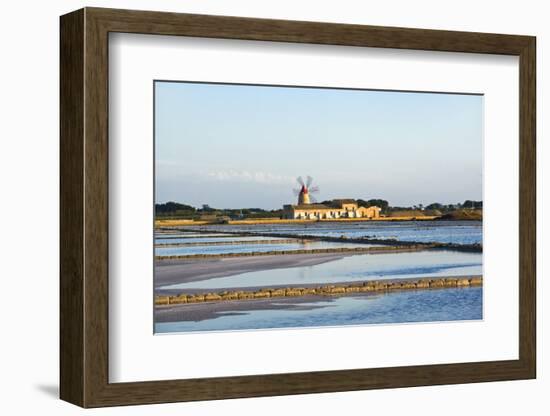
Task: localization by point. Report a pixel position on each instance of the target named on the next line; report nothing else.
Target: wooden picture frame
(84, 207)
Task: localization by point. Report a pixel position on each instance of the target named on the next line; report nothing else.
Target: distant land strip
(344, 250)
(160, 222)
(322, 290)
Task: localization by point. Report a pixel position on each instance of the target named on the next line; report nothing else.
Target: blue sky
(235, 146)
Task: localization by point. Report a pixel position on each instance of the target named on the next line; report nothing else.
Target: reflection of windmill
(305, 191)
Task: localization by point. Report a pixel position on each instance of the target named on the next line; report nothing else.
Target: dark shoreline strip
(322, 290)
(343, 250)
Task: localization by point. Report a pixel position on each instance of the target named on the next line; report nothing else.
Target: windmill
(305, 191)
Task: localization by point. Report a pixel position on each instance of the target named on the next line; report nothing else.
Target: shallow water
(251, 248)
(398, 307)
(220, 237)
(176, 235)
(457, 232)
(354, 268)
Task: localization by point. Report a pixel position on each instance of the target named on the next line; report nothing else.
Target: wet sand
(170, 272)
(174, 271)
(209, 310)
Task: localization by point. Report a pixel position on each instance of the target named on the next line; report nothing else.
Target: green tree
(172, 207)
(381, 203)
(435, 205)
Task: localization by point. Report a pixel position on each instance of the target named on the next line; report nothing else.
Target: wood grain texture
(84, 207)
(96, 209)
(527, 208)
(71, 218)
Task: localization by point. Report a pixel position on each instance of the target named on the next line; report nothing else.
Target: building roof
(310, 206)
(326, 206)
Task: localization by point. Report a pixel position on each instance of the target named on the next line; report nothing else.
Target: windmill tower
(303, 196)
(305, 191)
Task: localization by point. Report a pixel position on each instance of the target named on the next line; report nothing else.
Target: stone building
(337, 208)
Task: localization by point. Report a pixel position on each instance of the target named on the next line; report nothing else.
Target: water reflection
(207, 239)
(399, 307)
(458, 232)
(357, 267)
(251, 248)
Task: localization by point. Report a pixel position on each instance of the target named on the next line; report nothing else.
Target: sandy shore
(203, 311)
(170, 272)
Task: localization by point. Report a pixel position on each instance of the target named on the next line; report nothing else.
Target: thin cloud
(250, 177)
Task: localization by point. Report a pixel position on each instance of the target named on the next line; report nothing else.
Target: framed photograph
(254, 207)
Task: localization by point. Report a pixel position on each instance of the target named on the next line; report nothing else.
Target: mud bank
(322, 290)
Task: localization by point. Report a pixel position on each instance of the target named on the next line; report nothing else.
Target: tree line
(177, 210)
(183, 211)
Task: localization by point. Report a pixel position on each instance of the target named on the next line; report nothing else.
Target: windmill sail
(305, 190)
